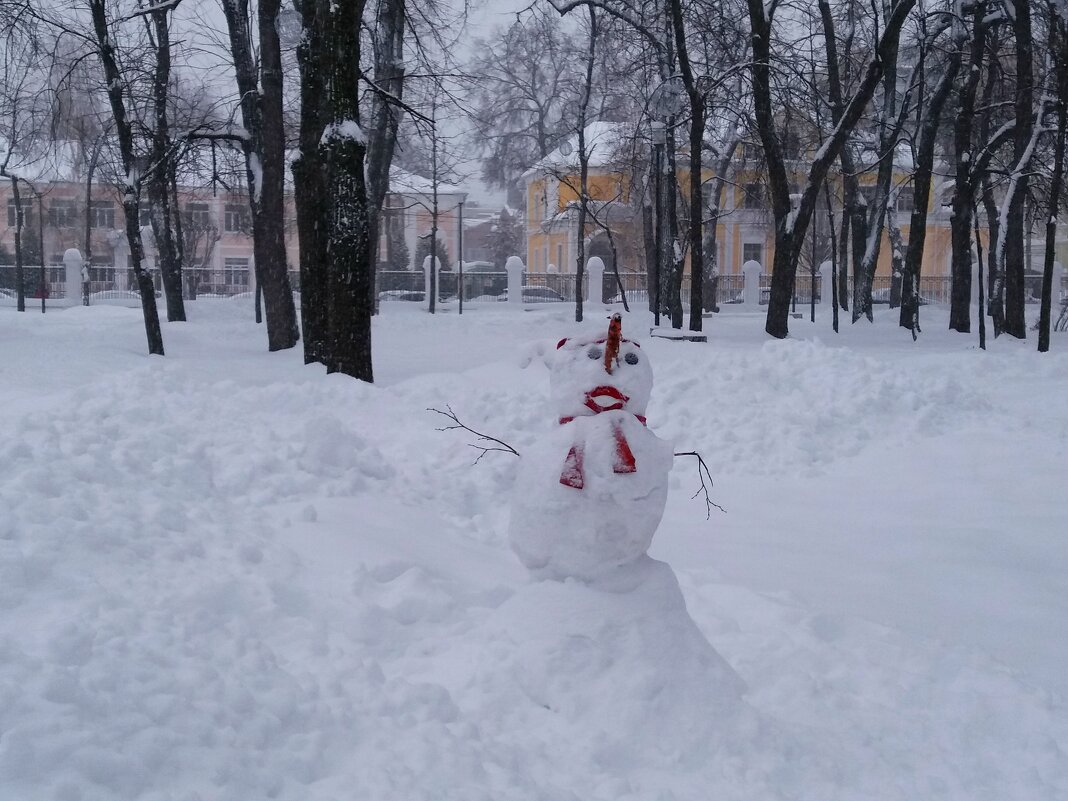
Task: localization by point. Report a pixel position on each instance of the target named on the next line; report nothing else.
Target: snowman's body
(590, 495)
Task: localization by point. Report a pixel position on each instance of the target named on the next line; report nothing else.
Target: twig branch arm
(702, 472)
(499, 445)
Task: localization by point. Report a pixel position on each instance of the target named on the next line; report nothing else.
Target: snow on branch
(165, 5)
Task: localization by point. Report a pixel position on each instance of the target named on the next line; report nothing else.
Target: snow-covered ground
(225, 575)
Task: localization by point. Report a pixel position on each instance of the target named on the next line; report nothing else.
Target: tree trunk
(697, 136)
(20, 222)
(921, 190)
(649, 246)
(389, 76)
(710, 246)
(132, 169)
(348, 249)
(309, 181)
(888, 134)
(1058, 46)
(264, 149)
(1015, 320)
(965, 177)
(159, 196)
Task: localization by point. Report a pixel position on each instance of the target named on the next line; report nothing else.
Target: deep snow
(226, 575)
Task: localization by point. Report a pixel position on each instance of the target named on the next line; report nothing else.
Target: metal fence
(54, 285)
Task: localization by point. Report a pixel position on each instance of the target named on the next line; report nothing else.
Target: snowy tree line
(969, 94)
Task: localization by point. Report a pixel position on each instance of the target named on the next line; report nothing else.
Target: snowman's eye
(595, 352)
(631, 358)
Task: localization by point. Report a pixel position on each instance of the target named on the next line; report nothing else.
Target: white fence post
(515, 267)
(595, 270)
(826, 282)
(426, 279)
(751, 271)
(72, 261)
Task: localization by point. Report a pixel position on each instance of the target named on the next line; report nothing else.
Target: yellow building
(746, 228)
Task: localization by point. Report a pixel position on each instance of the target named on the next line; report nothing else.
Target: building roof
(604, 141)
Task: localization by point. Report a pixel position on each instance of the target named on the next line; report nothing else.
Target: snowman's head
(581, 385)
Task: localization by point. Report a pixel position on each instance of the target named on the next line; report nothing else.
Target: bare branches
(702, 472)
(458, 425)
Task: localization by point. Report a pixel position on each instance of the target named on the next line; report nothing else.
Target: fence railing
(55, 283)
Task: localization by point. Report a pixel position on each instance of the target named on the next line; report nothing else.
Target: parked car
(536, 294)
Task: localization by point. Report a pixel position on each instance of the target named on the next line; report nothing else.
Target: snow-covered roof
(604, 140)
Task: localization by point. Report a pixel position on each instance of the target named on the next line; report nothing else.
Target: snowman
(590, 495)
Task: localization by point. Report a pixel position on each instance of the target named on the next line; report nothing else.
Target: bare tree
(791, 224)
(134, 164)
(263, 143)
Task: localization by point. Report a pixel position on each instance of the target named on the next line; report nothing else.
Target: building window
(753, 196)
(12, 210)
(101, 214)
(752, 151)
(198, 215)
(753, 251)
(105, 274)
(144, 216)
(62, 213)
(237, 218)
(906, 199)
(235, 271)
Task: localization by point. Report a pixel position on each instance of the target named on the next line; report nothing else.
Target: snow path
(225, 575)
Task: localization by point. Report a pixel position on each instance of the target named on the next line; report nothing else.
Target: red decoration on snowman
(590, 495)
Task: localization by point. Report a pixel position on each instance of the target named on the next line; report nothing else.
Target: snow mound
(616, 656)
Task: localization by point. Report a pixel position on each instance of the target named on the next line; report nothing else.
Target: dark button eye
(631, 358)
(595, 352)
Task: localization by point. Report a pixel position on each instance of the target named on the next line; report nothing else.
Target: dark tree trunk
(584, 169)
(842, 291)
(389, 76)
(649, 246)
(697, 136)
(1058, 47)
(264, 149)
(965, 177)
(87, 255)
(309, 181)
(1015, 320)
(158, 179)
(710, 246)
(851, 210)
(132, 168)
(348, 250)
(20, 222)
(670, 250)
(921, 188)
(888, 134)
